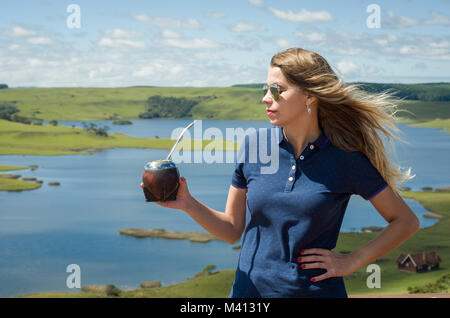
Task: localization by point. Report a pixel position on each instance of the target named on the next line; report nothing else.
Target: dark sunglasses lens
(275, 92)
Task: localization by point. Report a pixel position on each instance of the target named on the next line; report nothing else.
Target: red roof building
(417, 263)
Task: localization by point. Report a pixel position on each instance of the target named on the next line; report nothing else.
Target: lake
(44, 230)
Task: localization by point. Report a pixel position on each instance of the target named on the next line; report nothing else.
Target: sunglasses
(274, 90)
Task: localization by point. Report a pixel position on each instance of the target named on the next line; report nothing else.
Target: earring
(309, 110)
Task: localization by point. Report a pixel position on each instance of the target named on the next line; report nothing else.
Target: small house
(417, 263)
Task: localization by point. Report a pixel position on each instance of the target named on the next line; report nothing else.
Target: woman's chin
(274, 122)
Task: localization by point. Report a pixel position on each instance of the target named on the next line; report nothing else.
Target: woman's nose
(267, 98)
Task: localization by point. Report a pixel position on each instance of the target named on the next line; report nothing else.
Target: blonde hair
(350, 117)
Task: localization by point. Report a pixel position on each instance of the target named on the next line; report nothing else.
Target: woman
(328, 149)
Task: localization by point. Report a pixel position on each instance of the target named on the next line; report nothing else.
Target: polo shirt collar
(320, 142)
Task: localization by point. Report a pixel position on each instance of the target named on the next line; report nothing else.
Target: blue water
(44, 230)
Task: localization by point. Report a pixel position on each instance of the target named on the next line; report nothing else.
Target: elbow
(233, 240)
(413, 224)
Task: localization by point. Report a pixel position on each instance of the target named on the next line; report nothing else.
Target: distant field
(241, 103)
(66, 104)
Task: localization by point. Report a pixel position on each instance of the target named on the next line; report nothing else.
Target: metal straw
(179, 138)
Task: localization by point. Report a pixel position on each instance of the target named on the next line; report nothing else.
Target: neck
(299, 135)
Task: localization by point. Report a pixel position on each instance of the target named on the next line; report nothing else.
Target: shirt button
(311, 147)
(301, 157)
(293, 167)
(291, 178)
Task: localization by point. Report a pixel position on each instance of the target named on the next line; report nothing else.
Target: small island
(196, 237)
(122, 122)
(11, 182)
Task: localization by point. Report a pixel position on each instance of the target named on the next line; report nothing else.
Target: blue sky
(218, 43)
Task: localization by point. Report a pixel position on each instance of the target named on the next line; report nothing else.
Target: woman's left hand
(335, 264)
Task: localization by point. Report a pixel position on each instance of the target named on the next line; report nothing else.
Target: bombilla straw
(179, 138)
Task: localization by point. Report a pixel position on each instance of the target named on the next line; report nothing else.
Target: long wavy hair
(350, 117)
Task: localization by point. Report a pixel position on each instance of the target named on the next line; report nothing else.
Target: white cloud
(143, 18)
(40, 40)
(196, 43)
(437, 19)
(283, 43)
(313, 36)
(394, 21)
(256, 3)
(247, 27)
(20, 31)
(13, 47)
(347, 67)
(206, 56)
(384, 41)
(301, 16)
(119, 43)
(170, 34)
(215, 14)
(167, 22)
(120, 33)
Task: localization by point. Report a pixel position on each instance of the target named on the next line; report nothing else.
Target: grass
(9, 182)
(85, 104)
(443, 124)
(215, 285)
(17, 138)
(431, 238)
(393, 281)
(10, 168)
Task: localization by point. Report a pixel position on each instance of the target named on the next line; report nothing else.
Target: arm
(227, 226)
(403, 223)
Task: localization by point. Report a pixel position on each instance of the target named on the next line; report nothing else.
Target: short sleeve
(365, 178)
(238, 179)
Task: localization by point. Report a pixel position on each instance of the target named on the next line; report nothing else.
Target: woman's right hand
(183, 197)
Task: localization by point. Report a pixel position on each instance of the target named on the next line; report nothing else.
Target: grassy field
(85, 104)
(17, 138)
(9, 182)
(393, 281)
(11, 168)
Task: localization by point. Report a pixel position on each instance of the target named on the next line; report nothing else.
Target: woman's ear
(311, 99)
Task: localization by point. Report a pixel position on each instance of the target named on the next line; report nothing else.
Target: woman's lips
(270, 112)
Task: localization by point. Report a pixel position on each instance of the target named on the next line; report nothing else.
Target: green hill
(426, 102)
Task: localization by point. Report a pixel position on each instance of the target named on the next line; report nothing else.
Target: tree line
(430, 92)
(168, 107)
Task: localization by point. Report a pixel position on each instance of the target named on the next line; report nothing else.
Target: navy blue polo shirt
(299, 206)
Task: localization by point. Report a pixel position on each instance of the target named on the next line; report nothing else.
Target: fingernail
(302, 252)
(303, 266)
(299, 259)
(312, 280)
